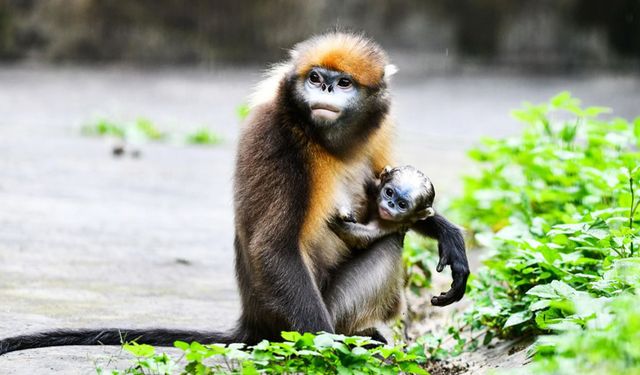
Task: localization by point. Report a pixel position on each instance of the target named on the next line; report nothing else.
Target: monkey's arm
(360, 236)
(270, 212)
(287, 286)
(452, 252)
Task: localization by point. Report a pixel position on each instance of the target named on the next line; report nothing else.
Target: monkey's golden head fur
(356, 55)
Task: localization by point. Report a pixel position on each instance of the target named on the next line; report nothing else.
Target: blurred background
(546, 34)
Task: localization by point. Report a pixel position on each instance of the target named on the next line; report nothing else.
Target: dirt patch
(445, 368)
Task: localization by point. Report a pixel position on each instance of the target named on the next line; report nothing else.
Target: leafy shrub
(143, 130)
(610, 345)
(559, 208)
(298, 353)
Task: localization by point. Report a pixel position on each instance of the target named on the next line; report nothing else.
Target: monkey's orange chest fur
(333, 180)
(327, 172)
(336, 182)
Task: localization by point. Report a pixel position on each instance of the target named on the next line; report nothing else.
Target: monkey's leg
(366, 289)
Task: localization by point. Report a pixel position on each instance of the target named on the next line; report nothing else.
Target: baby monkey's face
(405, 196)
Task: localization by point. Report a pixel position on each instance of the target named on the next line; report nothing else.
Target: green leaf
(517, 318)
(561, 99)
(139, 350)
(291, 336)
(181, 345)
(539, 305)
(323, 340)
(242, 111)
(595, 111)
(543, 291)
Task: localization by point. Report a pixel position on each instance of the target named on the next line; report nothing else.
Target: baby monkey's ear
(385, 172)
(427, 212)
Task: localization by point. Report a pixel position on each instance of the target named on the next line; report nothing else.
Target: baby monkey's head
(406, 195)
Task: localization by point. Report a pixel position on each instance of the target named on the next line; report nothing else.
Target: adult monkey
(308, 148)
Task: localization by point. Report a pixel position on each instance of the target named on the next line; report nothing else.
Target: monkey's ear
(427, 212)
(385, 172)
(389, 71)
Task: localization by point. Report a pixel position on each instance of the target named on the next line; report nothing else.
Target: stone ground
(87, 240)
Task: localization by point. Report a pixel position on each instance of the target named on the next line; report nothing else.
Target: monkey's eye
(402, 204)
(344, 83)
(389, 192)
(314, 78)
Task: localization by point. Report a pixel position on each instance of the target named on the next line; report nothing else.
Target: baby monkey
(397, 200)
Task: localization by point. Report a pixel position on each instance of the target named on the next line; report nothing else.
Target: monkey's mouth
(385, 214)
(325, 111)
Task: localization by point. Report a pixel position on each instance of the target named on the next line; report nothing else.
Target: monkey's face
(405, 198)
(335, 109)
(330, 95)
(396, 203)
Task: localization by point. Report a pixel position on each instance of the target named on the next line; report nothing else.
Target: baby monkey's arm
(356, 235)
(360, 236)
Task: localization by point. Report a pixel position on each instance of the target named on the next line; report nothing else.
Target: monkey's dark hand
(452, 253)
(459, 273)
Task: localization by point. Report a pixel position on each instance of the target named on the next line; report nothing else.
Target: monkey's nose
(390, 204)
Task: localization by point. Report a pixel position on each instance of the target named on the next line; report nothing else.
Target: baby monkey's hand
(339, 222)
(346, 215)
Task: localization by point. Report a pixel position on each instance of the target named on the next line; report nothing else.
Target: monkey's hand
(346, 226)
(459, 273)
(338, 224)
(451, 249)
(346, 214)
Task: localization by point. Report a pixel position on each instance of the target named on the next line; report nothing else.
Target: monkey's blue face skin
(330, 94)
(396, 202)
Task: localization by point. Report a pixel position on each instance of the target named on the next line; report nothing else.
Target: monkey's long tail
(115, 336)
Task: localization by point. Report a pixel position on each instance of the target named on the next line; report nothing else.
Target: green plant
(147, 361)
(104, 127)
(204, 137)
(610, 345)
(143, 130)
(148, 129)
(558, 206)
(298, 353)
(242, 111)
(419, 258)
